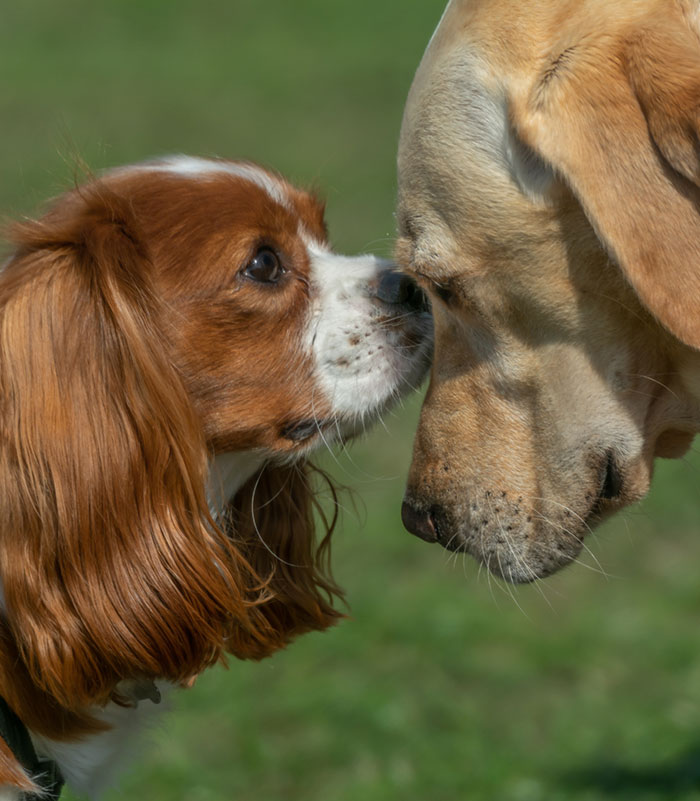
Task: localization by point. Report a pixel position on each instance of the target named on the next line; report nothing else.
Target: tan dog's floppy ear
(619, 121)
(110, 563)
(664, 71)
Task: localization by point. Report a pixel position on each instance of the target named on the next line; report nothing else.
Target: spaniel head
(175, 338)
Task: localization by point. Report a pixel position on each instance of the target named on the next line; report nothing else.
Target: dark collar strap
(43, 772)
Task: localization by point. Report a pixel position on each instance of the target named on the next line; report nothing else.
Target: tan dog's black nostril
(301, 430)
(420, 523)
(612, 482)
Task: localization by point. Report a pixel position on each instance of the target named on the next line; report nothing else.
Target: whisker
(655, 381)
(565, 508)
(516, 558)
(599, 569)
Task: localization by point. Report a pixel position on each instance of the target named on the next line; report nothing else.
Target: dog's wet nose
(420, 523)
(399, 289)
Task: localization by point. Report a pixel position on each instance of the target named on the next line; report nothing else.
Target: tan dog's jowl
(549, 200)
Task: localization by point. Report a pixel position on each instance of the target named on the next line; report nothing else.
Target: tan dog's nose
(420, 523)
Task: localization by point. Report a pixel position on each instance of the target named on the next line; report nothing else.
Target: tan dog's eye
(265, 267)
(440, 288)
(443, 292)
(433, 287)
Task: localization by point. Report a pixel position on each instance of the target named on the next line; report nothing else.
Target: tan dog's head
(549, 200)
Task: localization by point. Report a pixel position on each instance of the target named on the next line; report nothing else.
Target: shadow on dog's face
(549, 203)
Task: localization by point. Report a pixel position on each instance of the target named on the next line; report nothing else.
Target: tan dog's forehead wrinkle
(452, 228)
(443, 186)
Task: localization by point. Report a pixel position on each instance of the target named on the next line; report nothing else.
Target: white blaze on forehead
(193, 167)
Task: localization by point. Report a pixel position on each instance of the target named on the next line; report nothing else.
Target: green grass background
(442, 684)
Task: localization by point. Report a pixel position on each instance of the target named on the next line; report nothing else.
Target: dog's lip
(301, 430)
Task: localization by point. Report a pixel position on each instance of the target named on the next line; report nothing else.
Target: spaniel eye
(265, 268)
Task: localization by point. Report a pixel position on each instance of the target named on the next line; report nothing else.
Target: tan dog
(549, 174)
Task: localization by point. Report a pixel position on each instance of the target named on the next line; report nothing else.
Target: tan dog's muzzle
(496, 479)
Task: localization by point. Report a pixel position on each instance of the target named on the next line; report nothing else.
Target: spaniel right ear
(12, 774)
(619, 120)
(110, 563)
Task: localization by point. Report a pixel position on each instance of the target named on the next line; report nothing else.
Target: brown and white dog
(549, 201)
(175, 339)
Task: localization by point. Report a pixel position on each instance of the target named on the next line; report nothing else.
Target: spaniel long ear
(620, 123)
(12, 775)
(273, 519)
(110, 563)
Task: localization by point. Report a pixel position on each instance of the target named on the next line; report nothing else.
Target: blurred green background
(443, 684)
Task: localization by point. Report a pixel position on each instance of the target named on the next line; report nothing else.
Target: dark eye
(265, 267)
(444, 293)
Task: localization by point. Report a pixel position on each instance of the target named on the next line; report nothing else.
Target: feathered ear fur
(11, 773)
(111, 565)
(272, 520)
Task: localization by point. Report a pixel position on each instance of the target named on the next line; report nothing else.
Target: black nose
(418, 522)
(399, 289)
